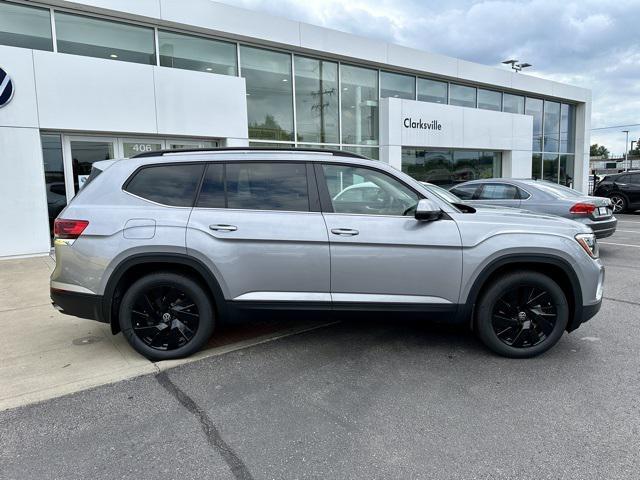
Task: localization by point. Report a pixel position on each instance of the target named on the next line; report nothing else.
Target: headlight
(588, 242)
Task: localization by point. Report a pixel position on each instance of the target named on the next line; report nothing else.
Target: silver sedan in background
(543, 197)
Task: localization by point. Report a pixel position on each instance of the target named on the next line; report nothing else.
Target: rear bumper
(83, 305)
(604, 229)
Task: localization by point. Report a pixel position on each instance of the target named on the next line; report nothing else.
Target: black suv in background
(622, 188)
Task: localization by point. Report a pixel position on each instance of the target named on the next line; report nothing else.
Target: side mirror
(427, 211)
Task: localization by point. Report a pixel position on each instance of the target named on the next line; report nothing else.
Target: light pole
(626, 151)
(517, 66)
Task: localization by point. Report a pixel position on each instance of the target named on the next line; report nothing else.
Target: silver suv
(164, 245)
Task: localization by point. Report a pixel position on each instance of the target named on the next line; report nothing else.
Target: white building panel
(22, 111)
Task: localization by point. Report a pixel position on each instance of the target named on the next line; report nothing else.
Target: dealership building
(87, 81)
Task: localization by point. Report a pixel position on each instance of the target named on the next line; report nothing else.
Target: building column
(583, 139)
(516, 164)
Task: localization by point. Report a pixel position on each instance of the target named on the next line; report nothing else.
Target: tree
(599, 151)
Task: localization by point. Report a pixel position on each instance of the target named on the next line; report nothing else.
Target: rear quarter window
(173, 185)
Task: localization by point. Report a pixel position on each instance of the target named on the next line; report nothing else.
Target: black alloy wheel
(521, 314)
(524, 316)
(619, 203)
(166, 315)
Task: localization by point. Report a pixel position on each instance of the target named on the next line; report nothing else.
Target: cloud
(591, 43)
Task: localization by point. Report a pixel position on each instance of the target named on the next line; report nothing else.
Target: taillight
(69, 229)
(582, 209)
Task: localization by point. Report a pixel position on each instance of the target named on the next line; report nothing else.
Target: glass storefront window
(95, 37)
(433, 91)
(271, 145)
(369, 152)
(196, 53)
(53, 175)
(462, 96)
(512, 103)
(359, 104)
(317, 108)
(489, 100)
(550, 167)
(26, 27)
(566, 170)
(551, 126)
(567, 128)
(396, 85)
(533, 107)
(131, 148)
(449, 167)
(536, 166)
(269, 93)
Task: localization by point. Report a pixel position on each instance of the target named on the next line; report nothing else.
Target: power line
(617, 126)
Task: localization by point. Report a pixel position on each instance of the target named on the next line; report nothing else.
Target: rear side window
(622, 179)
(498, 191)
(635, 179)
(173, 185)
(465, 192)
(256, 186)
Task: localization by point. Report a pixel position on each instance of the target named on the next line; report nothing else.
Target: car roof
(250, 150)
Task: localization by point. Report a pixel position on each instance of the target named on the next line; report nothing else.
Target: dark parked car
(623, 189)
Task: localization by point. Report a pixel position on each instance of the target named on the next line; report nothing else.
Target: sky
(591, 44)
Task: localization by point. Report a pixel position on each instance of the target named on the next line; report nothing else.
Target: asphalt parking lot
(383, 399)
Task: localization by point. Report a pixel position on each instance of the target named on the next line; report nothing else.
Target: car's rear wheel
(522, 314)
(618, 202)
(166, 315)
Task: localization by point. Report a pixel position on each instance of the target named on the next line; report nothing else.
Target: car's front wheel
(522, 314)
(166, 315)
(618, 202)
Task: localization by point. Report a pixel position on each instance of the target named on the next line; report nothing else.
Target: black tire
(148, 329)
(619, 202)
(500, 323)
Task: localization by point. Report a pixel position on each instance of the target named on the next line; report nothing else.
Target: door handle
(223, 228)
(345, 232)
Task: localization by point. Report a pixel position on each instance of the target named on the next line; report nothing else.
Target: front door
(499, 194)
(259, 228)
(379, 252)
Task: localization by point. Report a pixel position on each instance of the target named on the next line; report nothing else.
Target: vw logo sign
(6, 88)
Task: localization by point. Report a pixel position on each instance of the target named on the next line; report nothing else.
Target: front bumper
(83, 305)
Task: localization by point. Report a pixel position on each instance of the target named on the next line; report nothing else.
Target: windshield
(556, 189)
(442, 193)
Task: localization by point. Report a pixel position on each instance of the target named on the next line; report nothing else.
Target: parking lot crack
(629, 302)
(215, 440)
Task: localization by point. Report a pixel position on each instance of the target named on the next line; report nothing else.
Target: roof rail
(159, 153)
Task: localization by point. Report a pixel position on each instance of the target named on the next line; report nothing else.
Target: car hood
(487, 222)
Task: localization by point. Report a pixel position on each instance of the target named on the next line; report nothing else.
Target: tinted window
(212, 192)
(267, 186)
(465, 192)
(635, 179)
(622, 179)
(498, 191)
(167, 184)
(367, 192)
(522, 194)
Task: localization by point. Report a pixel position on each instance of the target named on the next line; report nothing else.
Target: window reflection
(567, 128)
(316, 100)
(196, 53)
(369, 152)
(551, 126)
(534, 108)
(489, 100)
(95, 37)
(462, 96)
(83, 154)
(26, 27)
(396, 85)
(359, 104)
(432, 91)
(512, 103)
(269, 93)
(449, 167)
(550, 167)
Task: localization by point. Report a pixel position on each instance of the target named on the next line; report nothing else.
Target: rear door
(499, 194)
(258, 226)
(380, 254)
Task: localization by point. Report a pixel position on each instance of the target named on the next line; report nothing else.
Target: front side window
(95, 37)
(196, 53)
(269, 93)
(26, 27)
(367, 192)
(498, 191)
(267, 186)
(173, 185)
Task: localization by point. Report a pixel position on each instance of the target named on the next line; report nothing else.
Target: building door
(81, 153)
